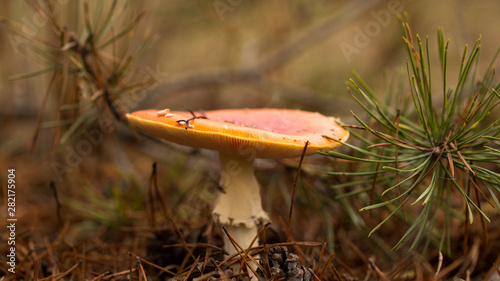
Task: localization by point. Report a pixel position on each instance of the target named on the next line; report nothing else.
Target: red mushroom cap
(260, 133)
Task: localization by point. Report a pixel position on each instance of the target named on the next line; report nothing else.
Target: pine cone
(284, 264)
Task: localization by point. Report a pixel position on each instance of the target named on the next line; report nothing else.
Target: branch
(281, 56)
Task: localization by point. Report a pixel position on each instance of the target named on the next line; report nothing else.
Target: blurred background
(207, 36)
(200, 55)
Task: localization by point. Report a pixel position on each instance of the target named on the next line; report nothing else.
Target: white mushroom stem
(239, 207)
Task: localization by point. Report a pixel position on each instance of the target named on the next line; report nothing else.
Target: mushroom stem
(239, 205)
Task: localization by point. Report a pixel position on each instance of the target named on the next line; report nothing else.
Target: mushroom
(240, 136)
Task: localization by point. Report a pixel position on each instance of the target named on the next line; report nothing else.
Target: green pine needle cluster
(442, 149)
(90, 61)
